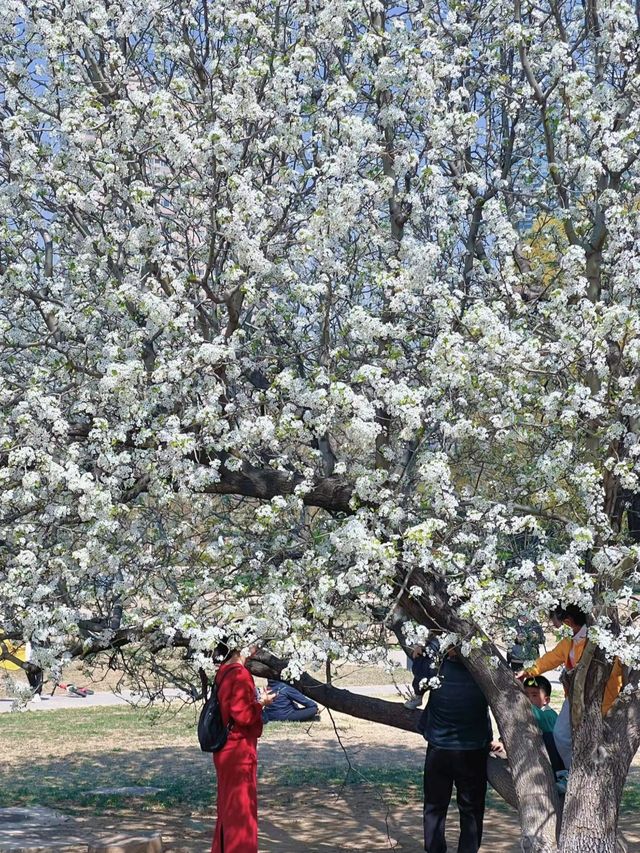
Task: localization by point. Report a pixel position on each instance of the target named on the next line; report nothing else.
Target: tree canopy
(312, 309)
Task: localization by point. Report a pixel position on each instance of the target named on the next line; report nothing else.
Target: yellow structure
(17, 650)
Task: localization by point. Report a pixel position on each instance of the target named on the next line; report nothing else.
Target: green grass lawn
(122, 746)
(87, 724)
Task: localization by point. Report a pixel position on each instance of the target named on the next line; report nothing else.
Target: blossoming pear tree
(313, 312)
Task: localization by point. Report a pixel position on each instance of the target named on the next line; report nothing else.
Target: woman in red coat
(237, 762)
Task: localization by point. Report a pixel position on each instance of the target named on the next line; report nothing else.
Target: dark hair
(573, 612)
(556, 611)
(223, 651)
(541, 682)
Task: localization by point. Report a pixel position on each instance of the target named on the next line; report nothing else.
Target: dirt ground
(319, 823)
(338, 785)
(309, 798)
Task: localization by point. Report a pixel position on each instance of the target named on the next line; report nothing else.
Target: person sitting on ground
(289, 704)
(567, 654)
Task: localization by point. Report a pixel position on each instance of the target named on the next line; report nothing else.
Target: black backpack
(212, 734)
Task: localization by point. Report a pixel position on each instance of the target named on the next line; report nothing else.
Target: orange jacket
(559, 656)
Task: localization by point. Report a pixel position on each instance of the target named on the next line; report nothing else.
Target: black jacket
(457, 713)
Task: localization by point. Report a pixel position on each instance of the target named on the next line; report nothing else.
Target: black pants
(35, 679)
(293, 715)
(301, 715)
(552, 750)
(468, 770)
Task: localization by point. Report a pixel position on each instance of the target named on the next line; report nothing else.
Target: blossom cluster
(304, 308)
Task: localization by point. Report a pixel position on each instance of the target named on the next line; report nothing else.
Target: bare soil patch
(338, 785)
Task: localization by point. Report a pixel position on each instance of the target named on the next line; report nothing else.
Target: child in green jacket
(538, 692)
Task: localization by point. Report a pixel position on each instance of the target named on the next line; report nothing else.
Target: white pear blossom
(304, 313)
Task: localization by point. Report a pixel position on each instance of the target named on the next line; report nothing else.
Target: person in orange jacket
(567, 654)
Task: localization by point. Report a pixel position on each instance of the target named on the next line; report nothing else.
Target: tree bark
(266, 665)
(603, 749)
(330, 493)
(533, 778)
(596, 782)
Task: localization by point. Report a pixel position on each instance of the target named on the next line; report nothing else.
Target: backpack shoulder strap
(216, 685)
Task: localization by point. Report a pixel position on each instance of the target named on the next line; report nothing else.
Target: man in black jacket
(457, 727)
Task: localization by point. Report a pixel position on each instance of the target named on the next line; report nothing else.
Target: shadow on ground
(311, 797)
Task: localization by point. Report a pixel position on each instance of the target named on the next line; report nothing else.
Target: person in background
(529, 637)
(457, 727)
(288, 704)
(538, 691)
(237, 762)
(35, 677)
(420, 668)
(16, 656)
(567, 654)
(555, 617)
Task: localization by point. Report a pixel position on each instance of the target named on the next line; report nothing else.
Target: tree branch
(266, 665)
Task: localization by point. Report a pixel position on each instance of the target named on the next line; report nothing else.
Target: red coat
(237, 763)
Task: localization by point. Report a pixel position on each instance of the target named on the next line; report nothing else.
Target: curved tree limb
(266, 665)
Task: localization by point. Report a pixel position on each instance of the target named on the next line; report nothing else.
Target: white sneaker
(413, 703)
(36, 698)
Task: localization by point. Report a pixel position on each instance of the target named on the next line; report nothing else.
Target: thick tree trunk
(590, 818)
(602, 751)
(596, 782)
(589, 826)
(533, 778)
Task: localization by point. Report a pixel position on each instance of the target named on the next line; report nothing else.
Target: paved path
(61, 700)
(66, 700)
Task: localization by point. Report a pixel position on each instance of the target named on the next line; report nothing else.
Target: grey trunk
(591, 815)
(596, 782)
(590, 819)
(533, 778)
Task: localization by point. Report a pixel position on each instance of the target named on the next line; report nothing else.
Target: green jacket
(545, 718)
